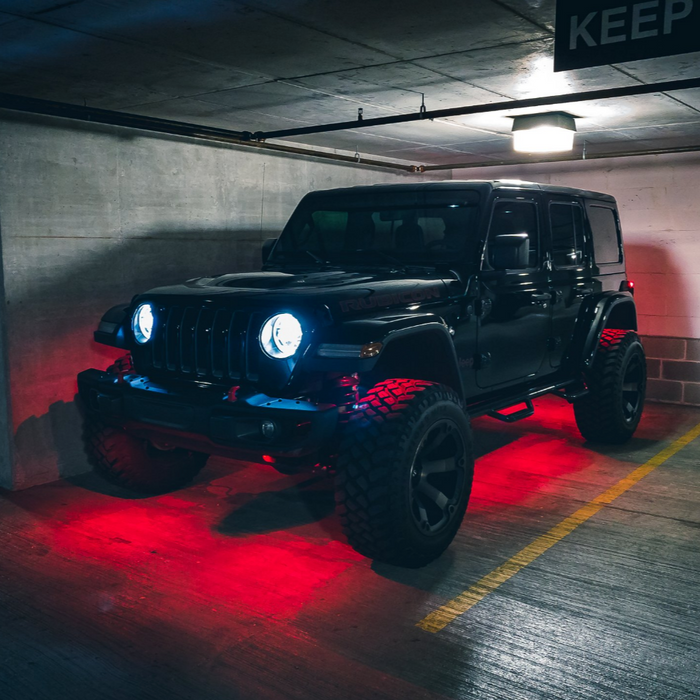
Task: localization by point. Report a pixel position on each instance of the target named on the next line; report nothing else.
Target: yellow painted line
(440, 618)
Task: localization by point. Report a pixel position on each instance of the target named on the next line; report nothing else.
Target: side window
(513, 241)
(567, 234)
(606, 234)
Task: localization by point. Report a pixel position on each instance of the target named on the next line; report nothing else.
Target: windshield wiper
(399, 265)
(287, 259)
(315, 257)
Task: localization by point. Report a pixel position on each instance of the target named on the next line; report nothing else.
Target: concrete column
(5, 413)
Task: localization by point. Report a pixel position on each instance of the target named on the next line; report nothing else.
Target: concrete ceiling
(265, 65)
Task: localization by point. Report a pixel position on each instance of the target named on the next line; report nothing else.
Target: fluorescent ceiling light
(544, 133)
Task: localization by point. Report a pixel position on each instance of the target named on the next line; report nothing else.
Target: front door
(514, 308)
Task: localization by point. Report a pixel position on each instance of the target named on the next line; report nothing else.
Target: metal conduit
(606, 93)
(241, 138)
(108, 117)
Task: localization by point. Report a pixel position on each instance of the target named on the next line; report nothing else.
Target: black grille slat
(202, 342)
(172, 335)
(219, 342)
(158, 349)
(186, 340)
(237, 332)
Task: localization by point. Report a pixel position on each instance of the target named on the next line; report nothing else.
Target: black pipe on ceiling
(421, 115)
(108, 117)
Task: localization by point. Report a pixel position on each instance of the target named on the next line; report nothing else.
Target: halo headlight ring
(280, 336)
(143, 322)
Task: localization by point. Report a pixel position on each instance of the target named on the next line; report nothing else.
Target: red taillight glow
(268, 459)
(627, 286)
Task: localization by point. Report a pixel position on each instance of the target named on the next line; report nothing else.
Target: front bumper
(200, 417)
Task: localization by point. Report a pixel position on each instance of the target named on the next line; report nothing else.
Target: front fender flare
(388, 332)
(113, 326)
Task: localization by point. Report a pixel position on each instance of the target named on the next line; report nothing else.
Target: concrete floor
(242, 586)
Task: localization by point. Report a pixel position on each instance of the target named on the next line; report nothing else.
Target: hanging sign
(601, 32)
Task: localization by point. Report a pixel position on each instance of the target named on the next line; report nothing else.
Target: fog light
(268, 428)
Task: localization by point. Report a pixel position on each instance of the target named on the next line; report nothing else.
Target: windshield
(324, 231)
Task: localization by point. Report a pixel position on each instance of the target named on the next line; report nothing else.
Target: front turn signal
(371, 350)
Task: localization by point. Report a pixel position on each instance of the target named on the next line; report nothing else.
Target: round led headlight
(142, 323)
(280, 336)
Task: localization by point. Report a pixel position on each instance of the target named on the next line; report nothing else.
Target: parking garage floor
(242, 586)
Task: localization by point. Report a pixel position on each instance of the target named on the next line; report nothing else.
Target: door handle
(582, 292)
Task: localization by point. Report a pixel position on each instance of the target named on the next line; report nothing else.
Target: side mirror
(509, 251)
(267, 247)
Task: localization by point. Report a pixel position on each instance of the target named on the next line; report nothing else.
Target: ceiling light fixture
(549, 132)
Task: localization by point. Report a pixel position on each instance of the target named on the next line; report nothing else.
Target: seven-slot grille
(203, 342)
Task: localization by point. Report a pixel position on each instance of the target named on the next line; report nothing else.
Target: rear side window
(606, 234)
(516, 218)
(567, 234)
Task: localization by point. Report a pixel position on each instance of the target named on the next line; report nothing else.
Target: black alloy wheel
(437, 477)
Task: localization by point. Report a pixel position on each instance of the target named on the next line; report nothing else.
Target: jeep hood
(343, 292)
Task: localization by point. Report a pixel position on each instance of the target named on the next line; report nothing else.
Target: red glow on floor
(539, 457)
(249, 542)
(173, 540)
(275, 579)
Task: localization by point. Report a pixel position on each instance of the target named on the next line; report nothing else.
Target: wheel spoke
(631, 386)
(436, 496)
(435, 439)
(629, 408)
(424, 522)
(439, 466)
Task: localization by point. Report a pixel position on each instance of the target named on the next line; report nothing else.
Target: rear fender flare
(608, 310)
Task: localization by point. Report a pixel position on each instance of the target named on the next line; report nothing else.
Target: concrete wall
(660, 214)
(92, 215)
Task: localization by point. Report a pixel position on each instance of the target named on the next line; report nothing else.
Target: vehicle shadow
(47, 444)
(310, 499)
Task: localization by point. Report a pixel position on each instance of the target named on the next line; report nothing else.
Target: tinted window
(606, 236)
(567, 234)
(350, 233)
(515, 218)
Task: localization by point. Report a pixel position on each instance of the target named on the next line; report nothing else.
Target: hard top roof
(485, 186)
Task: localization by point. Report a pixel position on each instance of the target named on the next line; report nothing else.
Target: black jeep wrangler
(384, 318)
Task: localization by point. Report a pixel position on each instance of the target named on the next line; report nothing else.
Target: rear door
(514, 303)
(570, 270)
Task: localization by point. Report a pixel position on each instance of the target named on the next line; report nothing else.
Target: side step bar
(526, 412)
(570, 390)
(571, 394)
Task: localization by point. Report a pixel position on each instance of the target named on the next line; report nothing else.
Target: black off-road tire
(387, 464)
(134, 463)
(611, 411)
